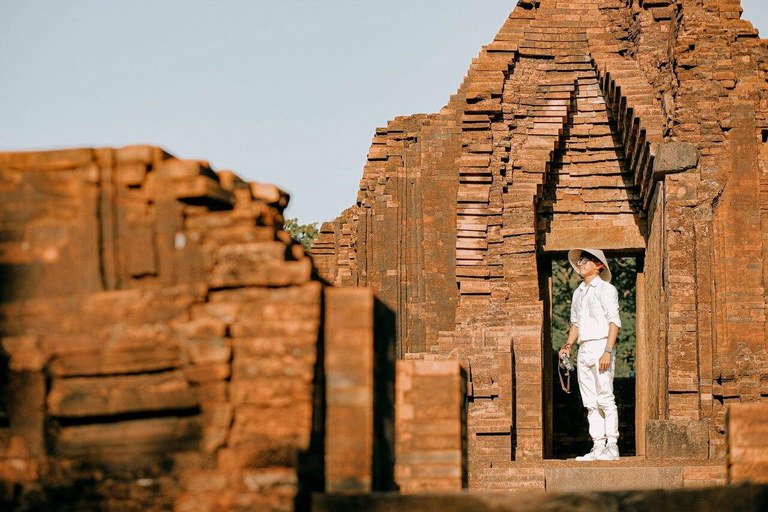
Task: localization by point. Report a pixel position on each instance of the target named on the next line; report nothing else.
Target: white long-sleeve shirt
(594, 307)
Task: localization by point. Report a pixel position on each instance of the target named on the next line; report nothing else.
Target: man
(595, 325)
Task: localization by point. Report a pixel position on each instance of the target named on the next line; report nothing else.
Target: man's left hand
(605, 362)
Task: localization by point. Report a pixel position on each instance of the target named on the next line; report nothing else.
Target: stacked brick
(160, 333)
(721, 109)
(349, 390)
(638, 127)
(748, 443)
(487, 358)
(161, 336)
(359, 399)
(431, 424)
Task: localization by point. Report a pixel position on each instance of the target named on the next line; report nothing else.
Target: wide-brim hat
(575, 254)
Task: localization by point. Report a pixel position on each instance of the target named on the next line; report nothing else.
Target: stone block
(116, 362)
(24, 401)
(25, 352)
(207, 372)
(269, 194)
(676, 439)
(209, 351)
(141, 154)
(259, 264)
(674, 157)
(202, 328)
(196, 190)
(705, 476)
(579, 479)
(177, 168)
(131, 174)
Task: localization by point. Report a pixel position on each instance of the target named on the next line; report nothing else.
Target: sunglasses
(583, 260)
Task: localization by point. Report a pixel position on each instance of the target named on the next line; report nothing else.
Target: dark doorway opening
(565, 423)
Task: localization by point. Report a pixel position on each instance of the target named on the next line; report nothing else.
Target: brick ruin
(639, 127)
(166, 346)
(159, 334)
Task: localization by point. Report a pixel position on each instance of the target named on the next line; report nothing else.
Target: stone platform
(745, 498)
(627, 474)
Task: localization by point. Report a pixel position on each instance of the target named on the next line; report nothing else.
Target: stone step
(591, 479)
(629, 473)
(745, 497)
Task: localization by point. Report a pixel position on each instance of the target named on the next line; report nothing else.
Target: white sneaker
(595, 454)
(610, 452)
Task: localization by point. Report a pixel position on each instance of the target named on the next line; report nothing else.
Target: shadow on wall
(385, 355)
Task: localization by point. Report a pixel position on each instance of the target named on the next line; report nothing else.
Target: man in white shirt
(595, 325)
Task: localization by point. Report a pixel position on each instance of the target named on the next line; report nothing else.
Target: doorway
(566, 432)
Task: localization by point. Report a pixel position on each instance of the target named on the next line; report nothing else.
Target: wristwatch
(609, 350)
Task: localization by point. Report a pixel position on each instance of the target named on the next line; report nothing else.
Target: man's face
(587, 266)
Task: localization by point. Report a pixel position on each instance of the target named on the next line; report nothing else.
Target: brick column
(349, 360)
(430, 426)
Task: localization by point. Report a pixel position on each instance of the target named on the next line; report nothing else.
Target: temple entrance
(565, 425)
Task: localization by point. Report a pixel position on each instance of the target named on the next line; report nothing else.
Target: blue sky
(286, 92)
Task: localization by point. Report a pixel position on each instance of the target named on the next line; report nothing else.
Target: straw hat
(575, 254)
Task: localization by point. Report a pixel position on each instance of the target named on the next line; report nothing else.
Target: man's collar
(595, 282)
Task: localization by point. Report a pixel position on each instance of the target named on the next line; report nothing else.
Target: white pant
(597, 391)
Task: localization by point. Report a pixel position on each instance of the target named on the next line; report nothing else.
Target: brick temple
(167, 346)
(638, 127)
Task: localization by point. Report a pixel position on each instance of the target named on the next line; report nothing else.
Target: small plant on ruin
(303, 234)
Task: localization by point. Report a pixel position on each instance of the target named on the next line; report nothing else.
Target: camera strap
(564, 383)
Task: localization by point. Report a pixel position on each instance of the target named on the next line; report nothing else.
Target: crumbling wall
(160, 333)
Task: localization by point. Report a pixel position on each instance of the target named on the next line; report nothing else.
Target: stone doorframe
(642, 367)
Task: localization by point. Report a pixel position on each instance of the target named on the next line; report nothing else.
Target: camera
(565, 362)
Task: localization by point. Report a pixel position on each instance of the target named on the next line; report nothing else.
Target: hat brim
(575, 254)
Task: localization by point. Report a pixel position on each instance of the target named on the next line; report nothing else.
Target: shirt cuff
(615, 320)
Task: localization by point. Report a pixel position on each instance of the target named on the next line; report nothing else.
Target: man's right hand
(565, 349)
